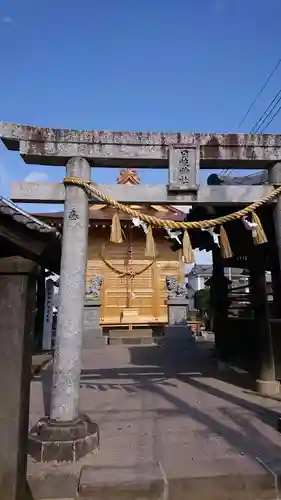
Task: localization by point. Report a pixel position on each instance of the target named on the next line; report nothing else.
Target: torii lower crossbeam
(52, 192)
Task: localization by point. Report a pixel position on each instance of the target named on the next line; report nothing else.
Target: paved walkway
(168, 407)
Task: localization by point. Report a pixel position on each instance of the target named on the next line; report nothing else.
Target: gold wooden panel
(146, 292)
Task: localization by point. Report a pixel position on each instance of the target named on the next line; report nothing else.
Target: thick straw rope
(93, 192)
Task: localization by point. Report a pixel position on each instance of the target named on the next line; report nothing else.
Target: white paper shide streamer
(211, 230)
(249, 225)
(173, 234)
(139, 223)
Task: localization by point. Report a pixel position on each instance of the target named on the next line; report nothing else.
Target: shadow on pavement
(156, 371)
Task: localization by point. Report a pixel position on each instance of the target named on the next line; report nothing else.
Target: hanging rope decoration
(258, 234)
(125, 274)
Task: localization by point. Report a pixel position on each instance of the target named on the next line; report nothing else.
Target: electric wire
(271, 120)
(259, 93)
(228, 171)
(267, 112)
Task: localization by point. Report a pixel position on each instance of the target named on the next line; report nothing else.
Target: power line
(272, 118)
(267, 112)
(259, 93)
(228, 171)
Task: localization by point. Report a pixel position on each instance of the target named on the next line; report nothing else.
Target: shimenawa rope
(93, 192)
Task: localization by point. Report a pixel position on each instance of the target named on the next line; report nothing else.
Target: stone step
(242, 478)
(131, 333)
(126, 483)
(151, 483)
(133, 340)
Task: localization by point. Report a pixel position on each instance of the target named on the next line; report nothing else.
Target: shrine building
(133, 290)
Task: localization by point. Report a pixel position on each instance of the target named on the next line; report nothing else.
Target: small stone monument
(177, 303)
(92, 334)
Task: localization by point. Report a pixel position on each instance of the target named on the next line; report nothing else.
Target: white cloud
(37, 177)
(7, 20)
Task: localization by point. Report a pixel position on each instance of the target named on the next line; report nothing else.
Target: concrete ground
(166, 413)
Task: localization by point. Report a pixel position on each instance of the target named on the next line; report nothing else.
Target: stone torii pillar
(65, 435)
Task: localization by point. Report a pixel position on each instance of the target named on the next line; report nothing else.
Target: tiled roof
(8, 208)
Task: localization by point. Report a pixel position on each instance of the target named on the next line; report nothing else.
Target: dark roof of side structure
(22, 234)
(7, 207)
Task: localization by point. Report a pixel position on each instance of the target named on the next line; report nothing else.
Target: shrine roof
(103, 213)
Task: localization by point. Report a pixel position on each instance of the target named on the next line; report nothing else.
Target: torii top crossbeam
(182, 153)
(50, 146)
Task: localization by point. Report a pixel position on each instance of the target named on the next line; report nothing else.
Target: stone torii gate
(65, 434)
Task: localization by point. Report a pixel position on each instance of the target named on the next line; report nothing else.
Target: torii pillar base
(268, 387)
(50, 441)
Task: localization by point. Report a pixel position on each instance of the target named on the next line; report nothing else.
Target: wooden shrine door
(133, 290)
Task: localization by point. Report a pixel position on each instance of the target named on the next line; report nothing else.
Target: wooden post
(274, 176)
(275, 280)
(266, 382)
(219, 304)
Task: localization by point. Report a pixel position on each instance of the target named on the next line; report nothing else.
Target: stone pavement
(168, 413)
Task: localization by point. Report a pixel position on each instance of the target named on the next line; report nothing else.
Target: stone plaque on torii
(184, 168)
(183, 154)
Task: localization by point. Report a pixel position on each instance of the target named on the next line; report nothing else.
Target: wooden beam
(52, 192)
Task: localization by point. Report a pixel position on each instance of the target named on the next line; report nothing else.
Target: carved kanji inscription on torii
(183, 168)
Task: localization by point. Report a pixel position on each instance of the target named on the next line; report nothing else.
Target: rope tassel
(187, 251)
(259, 235)
(116, 230)
(181, 267)
(150, 247)
(224, 244)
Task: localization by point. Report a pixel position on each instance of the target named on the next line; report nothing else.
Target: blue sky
(192, 65)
